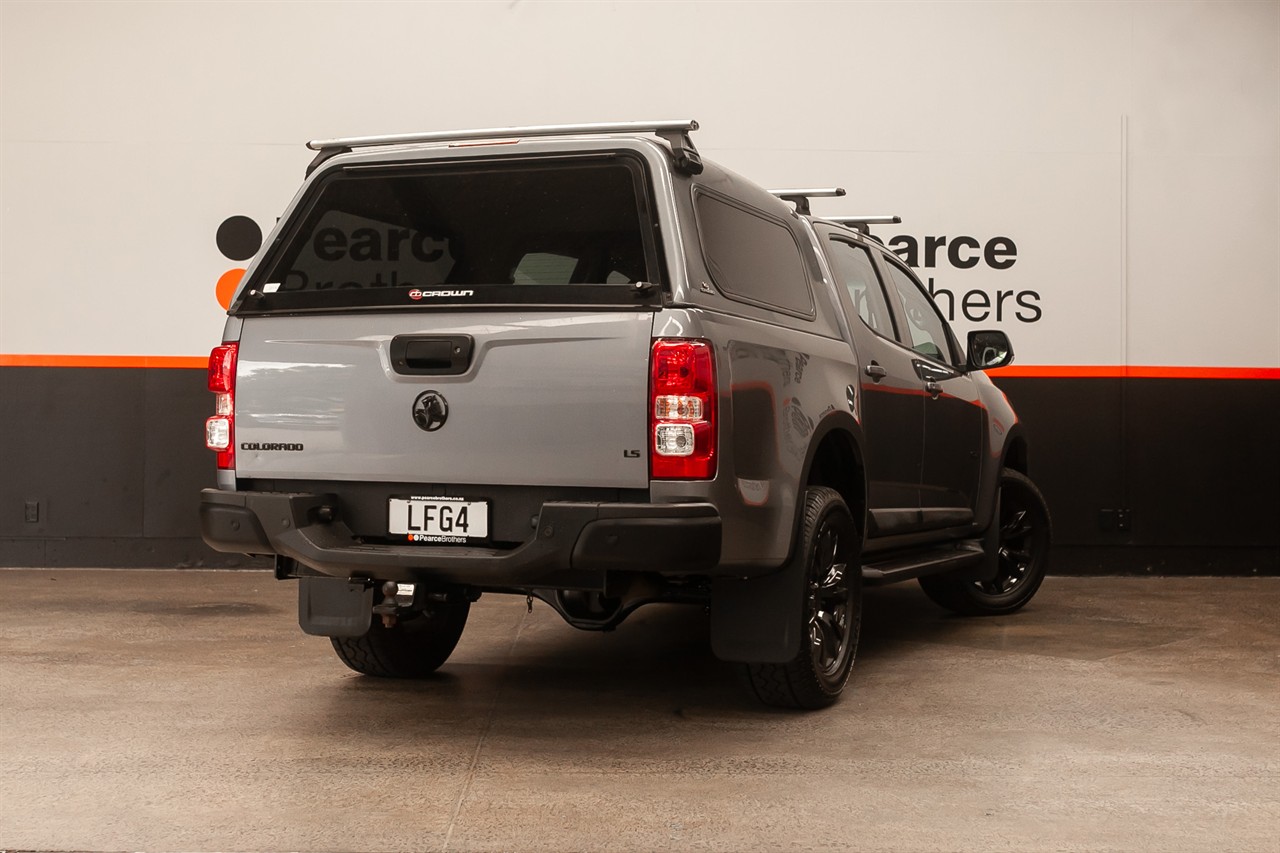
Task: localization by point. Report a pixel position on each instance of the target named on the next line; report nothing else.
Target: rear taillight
(682, 410)
(220, 430)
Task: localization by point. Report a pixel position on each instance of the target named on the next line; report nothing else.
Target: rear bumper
(574, 546)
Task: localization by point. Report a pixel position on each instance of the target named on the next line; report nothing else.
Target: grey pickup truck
(581, 364)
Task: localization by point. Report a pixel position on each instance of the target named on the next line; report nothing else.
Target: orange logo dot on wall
(227, 284)
(239, 238)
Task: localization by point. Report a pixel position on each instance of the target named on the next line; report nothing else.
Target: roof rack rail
(675, 132)
(860, 223)
(800, 198)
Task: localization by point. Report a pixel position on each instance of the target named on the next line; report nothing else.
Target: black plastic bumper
(575, 543)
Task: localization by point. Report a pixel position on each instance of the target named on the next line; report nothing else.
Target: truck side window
(924, 326)
(753, 257)
(854, 270)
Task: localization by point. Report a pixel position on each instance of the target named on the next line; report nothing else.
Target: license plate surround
(438, 519)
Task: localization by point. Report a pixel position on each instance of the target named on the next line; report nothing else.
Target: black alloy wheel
(832, 611)
(830, 604)
(1022, 556)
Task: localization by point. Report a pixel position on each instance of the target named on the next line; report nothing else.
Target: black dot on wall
(239, 237)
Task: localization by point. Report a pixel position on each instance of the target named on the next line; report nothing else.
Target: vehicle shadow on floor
(658, 662)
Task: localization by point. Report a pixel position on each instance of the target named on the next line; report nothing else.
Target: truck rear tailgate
(546, 398)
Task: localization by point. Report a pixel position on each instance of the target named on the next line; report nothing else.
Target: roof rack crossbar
(861, 223)
(682, 126)
(674, 132)
(800, 197)
(867, 220)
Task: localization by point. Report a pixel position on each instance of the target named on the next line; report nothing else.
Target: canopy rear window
(525, 232)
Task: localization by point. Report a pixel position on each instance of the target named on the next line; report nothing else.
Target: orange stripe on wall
(1135, 372)
(184, 361)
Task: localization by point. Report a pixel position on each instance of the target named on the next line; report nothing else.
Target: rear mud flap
(333, 607)
(758, 620)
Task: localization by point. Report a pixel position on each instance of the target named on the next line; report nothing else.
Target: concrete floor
(184, 710)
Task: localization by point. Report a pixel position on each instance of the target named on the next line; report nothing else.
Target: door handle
(933, 388)
(431, 355)
(875, 371)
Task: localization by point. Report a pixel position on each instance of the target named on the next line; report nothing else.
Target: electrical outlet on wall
(1115, 520)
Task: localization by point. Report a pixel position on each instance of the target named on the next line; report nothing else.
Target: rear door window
(854, 269)
(552, 232)
(923, 328)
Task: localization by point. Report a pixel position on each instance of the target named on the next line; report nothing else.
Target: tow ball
(395, 597)
(408, 599)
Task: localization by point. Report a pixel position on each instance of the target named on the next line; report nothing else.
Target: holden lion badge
(430, 410)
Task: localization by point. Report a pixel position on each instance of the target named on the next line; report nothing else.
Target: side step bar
(918, 564)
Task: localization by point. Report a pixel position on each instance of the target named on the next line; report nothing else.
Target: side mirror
(988, 350)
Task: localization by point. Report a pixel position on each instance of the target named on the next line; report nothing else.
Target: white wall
(1130, 150)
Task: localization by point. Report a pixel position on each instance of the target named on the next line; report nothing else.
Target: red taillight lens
(682, 410)
(222, 368)
(219, 430)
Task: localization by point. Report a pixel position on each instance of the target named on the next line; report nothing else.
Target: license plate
(438, 519)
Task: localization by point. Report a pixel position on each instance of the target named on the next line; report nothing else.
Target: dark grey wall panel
(72, 440)
(1204, 461)
(116, 460)
(1192, 462)
(176, 465)
(1073, 427)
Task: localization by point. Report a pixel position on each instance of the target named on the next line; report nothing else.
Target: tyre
(827, 551)
(417, 645)
(1022, 559)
